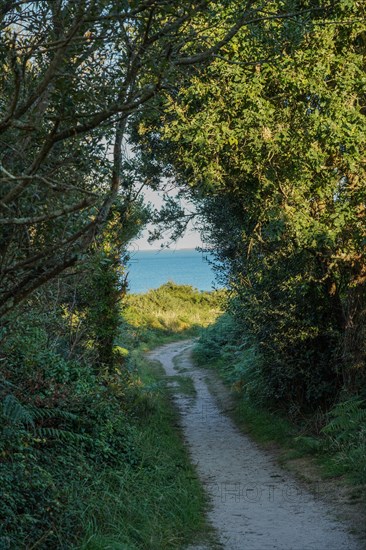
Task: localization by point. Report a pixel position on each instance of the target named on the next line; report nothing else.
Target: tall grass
(171, 312)
(156, 502)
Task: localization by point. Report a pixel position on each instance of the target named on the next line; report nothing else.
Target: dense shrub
(171, 310)
(79, 436)
(346, 437)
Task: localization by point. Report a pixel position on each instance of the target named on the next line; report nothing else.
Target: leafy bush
(223, 346)
(79, 438)
(171, 310)
(60, 425)
(346, 437)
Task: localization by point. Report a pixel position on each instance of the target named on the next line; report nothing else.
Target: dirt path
(255, 504)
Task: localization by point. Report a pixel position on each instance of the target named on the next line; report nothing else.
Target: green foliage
(100, 297)
(14, 412)
(48, 442)
(222, 345)
(80, 438)
(268, 141)
(346, 437)
(217, 338)
(171, 311)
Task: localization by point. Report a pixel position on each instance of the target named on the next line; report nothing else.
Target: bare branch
(85, 203)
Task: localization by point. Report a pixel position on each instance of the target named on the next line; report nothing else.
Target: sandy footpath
(255, 505)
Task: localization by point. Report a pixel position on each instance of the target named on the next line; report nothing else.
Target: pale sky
(191, 239)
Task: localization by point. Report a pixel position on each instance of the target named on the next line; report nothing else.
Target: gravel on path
(255, 505)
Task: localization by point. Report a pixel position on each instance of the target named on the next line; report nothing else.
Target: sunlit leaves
(270, 139)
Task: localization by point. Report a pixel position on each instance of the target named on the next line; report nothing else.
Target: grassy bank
(169, 313)
(157, 501)
(153, 499)
(90, 455)
(335, 439)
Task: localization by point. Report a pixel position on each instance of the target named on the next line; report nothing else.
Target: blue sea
(152, 268)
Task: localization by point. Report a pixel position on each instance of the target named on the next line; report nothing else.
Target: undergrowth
(336, 438)
(170, 312)
(156, 502)
(90, 457)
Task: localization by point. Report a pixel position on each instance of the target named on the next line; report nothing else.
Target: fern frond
(63, 435)
(15, 412)
(41, 413)
(6, 384)
(348, 423)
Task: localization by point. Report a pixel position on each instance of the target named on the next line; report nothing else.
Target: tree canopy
(269, 143)
(256, 111)
(73, 73)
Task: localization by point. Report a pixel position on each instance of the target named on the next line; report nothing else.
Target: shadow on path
(255, 505)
